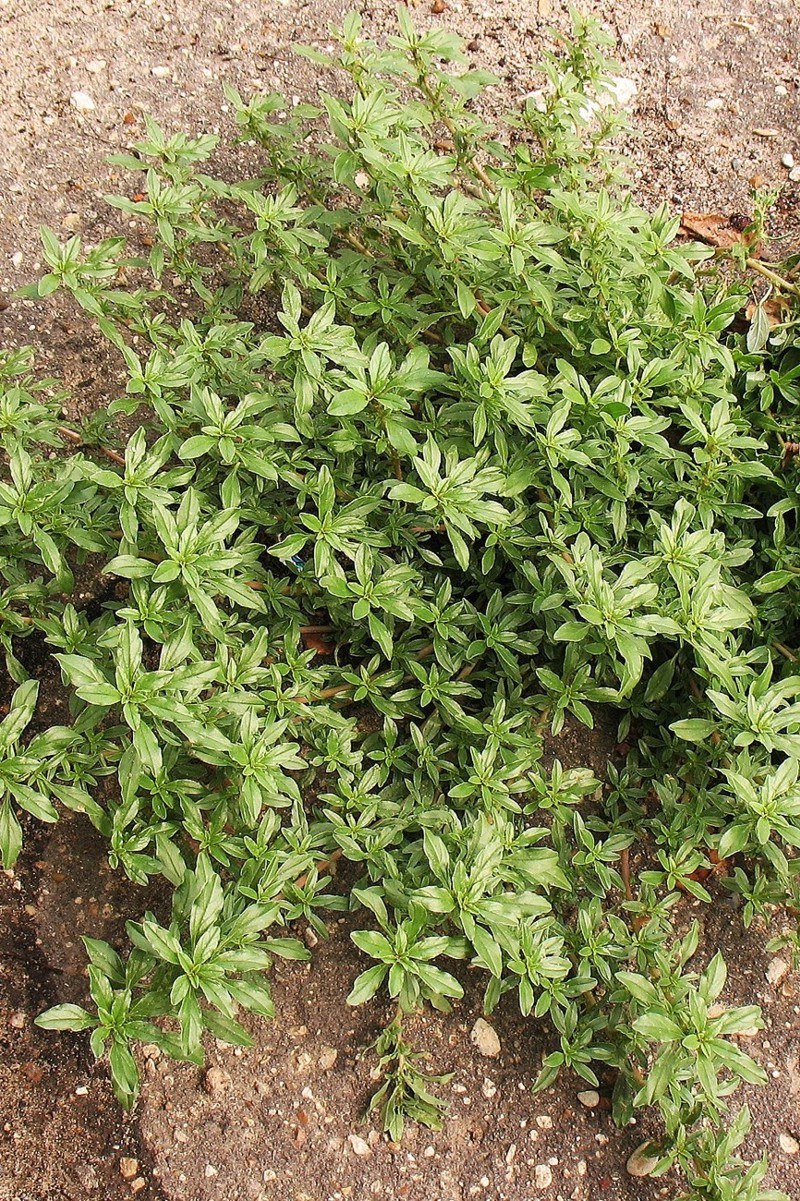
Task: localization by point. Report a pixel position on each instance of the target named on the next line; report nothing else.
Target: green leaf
(758, 333)
(124, 1074)
(658, 1027)
(367, 984)
(65, 1017)
(10, 836)
(694, 729)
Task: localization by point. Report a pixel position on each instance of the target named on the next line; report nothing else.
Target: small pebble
(216, 1081)
(17, 1020)
(748, 1032)
(95, 65)
(544, 1122)
(623, 90)
(160, 72)
(138, 1184)
(87, 1174)
(781, 90)
(359, 1145)
(81, 1090)
(485, 1038)
(642, 1161)
(327, 1058)
(590, 1098)
(794, 174)
(542, 1175)
(789, 1144)
(82, 101)
(778, 967)
(210, 1171)
(16, 259)
(72, 222)
(128, 1168)
(787, 160)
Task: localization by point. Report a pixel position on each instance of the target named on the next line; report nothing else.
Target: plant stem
(777, 280)
(77, 440)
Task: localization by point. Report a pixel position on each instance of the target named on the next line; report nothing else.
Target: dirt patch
(716, 106)
(285, 1117)
(62, 1134)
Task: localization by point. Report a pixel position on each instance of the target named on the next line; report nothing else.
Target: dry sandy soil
(717, 104)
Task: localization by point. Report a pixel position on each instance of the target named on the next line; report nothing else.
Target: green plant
(455, 445)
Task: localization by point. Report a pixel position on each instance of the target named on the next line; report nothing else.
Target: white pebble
(160, 72)
(82, 101)
(642, 1161)
(781, 90)
(776, 970)
(537, 99)
(787, 160)
(542, 1175)
(359, 1145)
(789, 1144)
(590, 1098)
(485, 1038)
(16, 259)
(794, 174)
(211, 1171)
(715, 104)
(95, 65)
(623, 90)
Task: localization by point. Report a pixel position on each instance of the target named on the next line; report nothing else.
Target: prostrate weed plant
(456, 444)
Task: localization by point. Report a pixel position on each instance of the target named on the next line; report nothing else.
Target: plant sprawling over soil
(453, 443)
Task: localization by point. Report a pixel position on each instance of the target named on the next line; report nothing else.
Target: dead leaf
(315, 643)
(767, 133)
(438, 6)
(712, 228)
(774, 306)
